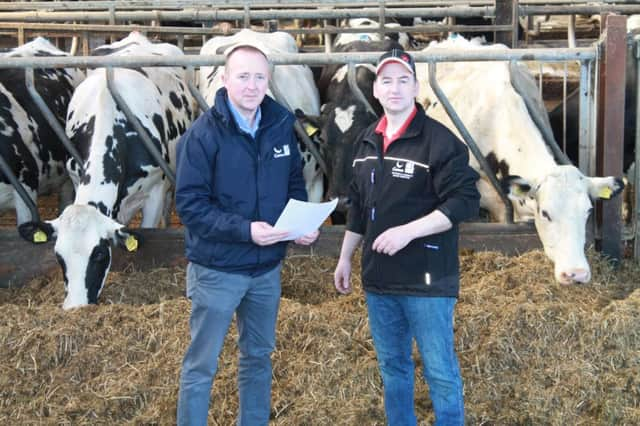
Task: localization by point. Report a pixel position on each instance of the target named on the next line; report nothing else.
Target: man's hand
(342, 276)
(264, 234)
(308, 239)
(392, 240)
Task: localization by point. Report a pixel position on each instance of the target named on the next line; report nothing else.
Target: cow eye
(545, 214)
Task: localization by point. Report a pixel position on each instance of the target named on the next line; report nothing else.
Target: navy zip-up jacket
(226, 179)
(425, 169)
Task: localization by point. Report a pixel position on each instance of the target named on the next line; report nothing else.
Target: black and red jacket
(425, 169)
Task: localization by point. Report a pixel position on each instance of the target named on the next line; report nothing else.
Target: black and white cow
(558, 198)
(120, 175)
(293, 84)
(405, 39)
(343, 116)
(28, 144)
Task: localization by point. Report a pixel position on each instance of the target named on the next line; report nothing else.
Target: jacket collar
(412, 131)
(272, 112)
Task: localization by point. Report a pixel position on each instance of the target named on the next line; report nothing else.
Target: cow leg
(166, 214)
(491, 201)
(312, 177)
(153, 207)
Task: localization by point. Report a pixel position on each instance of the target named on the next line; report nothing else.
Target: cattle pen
(531, 351)
(165, 245)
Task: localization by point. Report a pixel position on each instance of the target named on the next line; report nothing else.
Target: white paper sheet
(302, 218)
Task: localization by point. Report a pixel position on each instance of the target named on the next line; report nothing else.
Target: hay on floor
(531, 351)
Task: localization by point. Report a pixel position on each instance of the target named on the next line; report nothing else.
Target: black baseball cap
(399, 56)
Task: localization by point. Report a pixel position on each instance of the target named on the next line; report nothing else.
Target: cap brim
(396, 60)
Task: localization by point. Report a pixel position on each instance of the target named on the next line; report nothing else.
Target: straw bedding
(531, 351)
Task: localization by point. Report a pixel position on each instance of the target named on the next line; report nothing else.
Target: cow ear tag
(310, 129)
(605, 193)
(517, 190)
(39, 237)
(131, 243)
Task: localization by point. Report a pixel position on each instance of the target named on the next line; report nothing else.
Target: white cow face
(83, 249)
(561, 204)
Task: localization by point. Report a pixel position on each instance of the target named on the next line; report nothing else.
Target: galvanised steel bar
(139, 128)
(271, 4)
(224, 14)
(208, 4)
(51, 118)
(586, 139)
(588, 9)
(202, 103)
(6, 170)
(468, 139)
(434, 55)
(154, 29)
(636, 181)
(536, 116)
(353, 85)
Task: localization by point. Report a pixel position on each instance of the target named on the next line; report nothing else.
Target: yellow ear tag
(517, 191)
(310, 129)
(605, 193)
(131, 243)
(39, 237)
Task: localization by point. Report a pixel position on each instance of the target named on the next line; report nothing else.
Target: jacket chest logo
(403, 169)
(281, 152)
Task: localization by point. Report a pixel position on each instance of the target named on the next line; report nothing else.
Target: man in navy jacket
(412, 185)
(237, 167)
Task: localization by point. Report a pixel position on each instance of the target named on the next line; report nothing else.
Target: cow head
(83, 249)
(335, 131)
(560, 204)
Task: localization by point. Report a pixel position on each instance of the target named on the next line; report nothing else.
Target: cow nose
(579, 275)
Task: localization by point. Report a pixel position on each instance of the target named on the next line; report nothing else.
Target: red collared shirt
(381, 128)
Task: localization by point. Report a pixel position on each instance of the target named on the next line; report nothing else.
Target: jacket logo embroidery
(282, 152)
(403, 169)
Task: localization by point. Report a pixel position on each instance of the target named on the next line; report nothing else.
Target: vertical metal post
(381, 20)
(611, 129)
(504, 16)
(636, 183)
(247, 19)
(586, 142)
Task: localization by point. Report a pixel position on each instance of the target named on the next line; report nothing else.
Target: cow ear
(516, 187)
(127, 239)
(605, 188)
(305, 119)
(38, 232)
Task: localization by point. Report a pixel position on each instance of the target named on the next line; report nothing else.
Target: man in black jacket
(238, 165)
(412, 185)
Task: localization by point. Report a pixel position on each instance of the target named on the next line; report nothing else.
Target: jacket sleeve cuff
(445, 211)
(245, 231)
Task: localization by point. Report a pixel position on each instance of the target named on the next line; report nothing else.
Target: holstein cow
(558, 198)
(293, 84)
(32, 150)
(344, 116)
(120, 175)
(405, 39)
